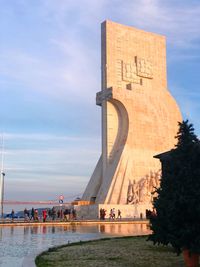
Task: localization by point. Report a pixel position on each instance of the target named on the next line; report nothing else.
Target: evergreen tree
(177, 220)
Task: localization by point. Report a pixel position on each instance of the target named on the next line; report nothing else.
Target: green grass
(119, 252)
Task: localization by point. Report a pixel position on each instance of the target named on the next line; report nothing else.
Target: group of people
(31, 215)
(52, 214)
(69, 214)
(112, 214)
(102, 214)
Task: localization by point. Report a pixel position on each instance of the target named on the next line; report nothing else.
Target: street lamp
(2, 192)
(2, 178)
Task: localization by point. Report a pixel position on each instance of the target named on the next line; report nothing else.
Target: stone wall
(136, 211)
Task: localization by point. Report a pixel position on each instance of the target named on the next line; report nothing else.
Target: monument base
(135, 211)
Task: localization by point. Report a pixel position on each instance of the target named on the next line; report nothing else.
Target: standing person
(36, 215)
(101, 214)
(61, 214)
(12, 215)
(50, 214)
(119, 216)
(58, 214)
(113, 213)
(32, 213)
(53, 213)
(44, 215)
(65, 215)
(104, 214)
(70, 213)
(74, 214)
(26, 217)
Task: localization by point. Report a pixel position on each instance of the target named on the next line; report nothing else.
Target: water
(17, 242)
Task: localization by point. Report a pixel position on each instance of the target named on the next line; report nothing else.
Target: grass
(119, 252)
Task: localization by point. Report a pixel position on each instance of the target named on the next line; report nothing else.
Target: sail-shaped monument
(139, 120)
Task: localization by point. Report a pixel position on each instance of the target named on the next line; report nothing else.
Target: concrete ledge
(81, 222)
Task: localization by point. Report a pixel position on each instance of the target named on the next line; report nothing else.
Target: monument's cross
(139, 116)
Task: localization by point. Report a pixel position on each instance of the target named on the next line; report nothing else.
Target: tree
(177, 205)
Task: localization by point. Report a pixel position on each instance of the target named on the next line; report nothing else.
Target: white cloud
(77, 75)
(180, 23)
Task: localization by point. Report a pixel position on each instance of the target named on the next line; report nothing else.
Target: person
(36, 215)
(73, 214)
(66, 215)
(58, 214)
(32, 213)
(50, 213)
(53, 213)
(119, 216)
(12, 215)
(61, 214)
(26, 215)
(103, 214)
(70, 213)
(44, 215)
(113, 213)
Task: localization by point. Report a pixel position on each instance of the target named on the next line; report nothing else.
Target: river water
(18, 242)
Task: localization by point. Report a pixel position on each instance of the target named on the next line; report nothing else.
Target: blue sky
(49, 76)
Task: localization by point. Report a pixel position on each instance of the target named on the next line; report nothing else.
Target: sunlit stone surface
(139, 119)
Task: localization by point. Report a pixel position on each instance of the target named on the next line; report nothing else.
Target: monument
(139, 120)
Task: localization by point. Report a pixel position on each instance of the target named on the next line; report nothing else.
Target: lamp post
(2, 178)
(2, 192)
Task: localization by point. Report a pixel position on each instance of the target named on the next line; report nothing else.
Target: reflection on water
(124, 229)
(16, 242)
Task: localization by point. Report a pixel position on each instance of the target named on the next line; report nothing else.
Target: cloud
(47, 155)
(74, 70)
(32, 189)
(31, 72)
(180, 23)
(42, 162)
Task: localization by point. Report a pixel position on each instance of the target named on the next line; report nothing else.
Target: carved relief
(133, 193)
(143, 191)
(132, 71)
(144, 68)
(129, 72)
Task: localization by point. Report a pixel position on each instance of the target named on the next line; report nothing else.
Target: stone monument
(139, 120)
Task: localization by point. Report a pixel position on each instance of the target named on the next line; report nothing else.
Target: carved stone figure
(130, 193)
(133, 193)
(144, 192)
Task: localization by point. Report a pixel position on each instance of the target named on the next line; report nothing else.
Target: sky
(50, 72)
